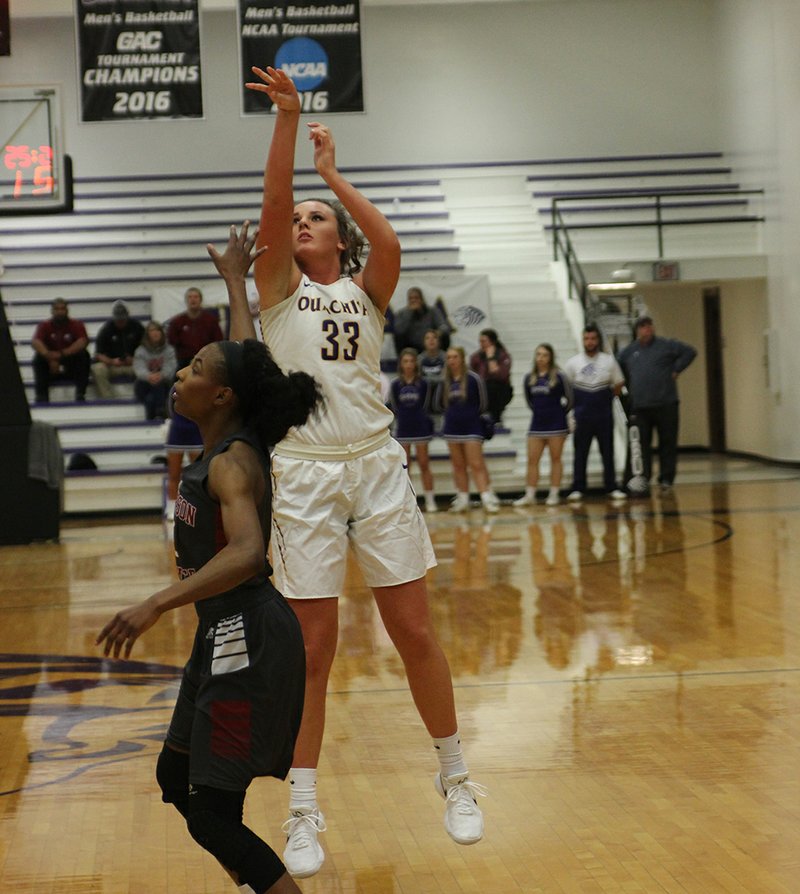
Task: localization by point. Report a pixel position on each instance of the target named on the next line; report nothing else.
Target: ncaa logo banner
(317, 44)
(139, 59)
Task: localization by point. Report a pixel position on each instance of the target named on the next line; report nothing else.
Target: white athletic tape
(638, 483)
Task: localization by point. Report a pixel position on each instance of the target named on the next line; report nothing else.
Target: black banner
(317, 44)
(5, 29)
(139, 59)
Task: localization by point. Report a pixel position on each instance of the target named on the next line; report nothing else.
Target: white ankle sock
(302, 787)
(530, 493)
(451, 760)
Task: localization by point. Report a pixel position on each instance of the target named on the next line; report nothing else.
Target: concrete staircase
(499, 234)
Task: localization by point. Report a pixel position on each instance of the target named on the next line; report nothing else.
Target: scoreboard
(35, 174)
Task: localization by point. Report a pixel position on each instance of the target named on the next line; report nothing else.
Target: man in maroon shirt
(187, 333)
(194, 329)
(60, 346)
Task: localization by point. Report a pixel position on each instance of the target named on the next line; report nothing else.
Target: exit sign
(666, 270)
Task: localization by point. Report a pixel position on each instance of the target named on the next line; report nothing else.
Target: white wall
(760, 95)
(443, 83)
(745, 314)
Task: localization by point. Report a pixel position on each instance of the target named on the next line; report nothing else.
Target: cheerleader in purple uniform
(549, 395)
(432, 359)
(408, 398)
(462, 396)
(183, 437)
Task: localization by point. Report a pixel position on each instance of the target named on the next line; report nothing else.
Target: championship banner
(317, 44)
(139, 59)
(5, 29)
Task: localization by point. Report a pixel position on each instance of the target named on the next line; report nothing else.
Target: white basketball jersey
(334, 333)
(596, 373)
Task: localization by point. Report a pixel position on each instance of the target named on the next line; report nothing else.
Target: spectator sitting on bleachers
(492, 363)
(415, 319)
(194, 329)
(254, 303)
(60, 346)
(187, 333)
(388, 349)
(155, 365)
(449, 329)
(115, 345)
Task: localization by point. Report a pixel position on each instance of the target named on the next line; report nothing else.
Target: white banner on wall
(466, 299)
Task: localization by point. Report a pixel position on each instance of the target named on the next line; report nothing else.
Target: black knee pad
(172, 775)
(215, 823)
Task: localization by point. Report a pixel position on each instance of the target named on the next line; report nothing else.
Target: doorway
(712, 325)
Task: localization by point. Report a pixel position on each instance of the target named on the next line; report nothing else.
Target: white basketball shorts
(321, 506)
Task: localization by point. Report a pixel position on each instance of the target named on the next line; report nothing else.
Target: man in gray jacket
(415, 319)
(651, 366)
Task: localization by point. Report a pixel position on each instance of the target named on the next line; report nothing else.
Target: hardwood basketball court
(628, 683)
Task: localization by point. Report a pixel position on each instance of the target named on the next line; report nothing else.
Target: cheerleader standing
(549, 395)
(463, 398)
(409, 398)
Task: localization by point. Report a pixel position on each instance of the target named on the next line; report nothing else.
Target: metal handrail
(577, 279)
(659, 223)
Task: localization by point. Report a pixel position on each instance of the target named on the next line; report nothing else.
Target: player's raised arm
(276, 273)
(382, 268)
(233, 264)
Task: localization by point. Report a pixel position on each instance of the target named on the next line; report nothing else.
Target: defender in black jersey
(241, 697)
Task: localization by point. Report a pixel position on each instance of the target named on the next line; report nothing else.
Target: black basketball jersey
(199, 535)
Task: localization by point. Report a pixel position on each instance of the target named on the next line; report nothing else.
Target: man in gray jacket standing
(651, 366)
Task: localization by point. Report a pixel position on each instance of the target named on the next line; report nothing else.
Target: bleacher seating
(130, 235)
(144, 230)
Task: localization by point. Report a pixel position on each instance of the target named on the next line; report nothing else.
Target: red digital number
(43, 181)
(22, 157)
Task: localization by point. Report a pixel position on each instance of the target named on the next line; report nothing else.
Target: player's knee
(172, 775)
(215, 823)
(205, 828)
(414, 640)
(320, 650)
(214, 818)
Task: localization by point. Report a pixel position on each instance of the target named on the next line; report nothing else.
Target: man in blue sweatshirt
(651, 365)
